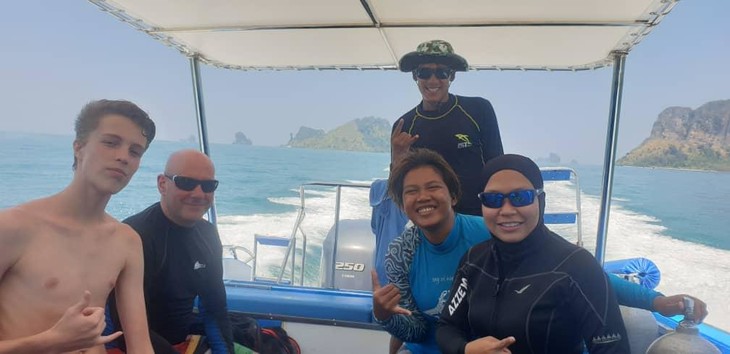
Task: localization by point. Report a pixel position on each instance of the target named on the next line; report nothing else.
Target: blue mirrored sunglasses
(426, 73)
(516, 199)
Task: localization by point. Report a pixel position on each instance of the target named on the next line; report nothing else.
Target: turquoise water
(678, 219)
(692, 205)
(39, 165)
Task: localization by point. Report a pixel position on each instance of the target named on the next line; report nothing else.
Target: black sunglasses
(188, 184)
(426, 73)
(517, 198)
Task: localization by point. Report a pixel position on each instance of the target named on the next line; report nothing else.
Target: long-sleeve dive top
(551, 295)
(465, 132)
(181, 264)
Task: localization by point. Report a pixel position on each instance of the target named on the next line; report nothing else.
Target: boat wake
(686, 267)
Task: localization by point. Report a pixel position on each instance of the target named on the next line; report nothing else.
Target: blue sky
(58, 55)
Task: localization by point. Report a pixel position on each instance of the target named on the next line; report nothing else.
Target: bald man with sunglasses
(182, 257)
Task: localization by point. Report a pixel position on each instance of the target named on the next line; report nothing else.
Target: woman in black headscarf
(527, 282)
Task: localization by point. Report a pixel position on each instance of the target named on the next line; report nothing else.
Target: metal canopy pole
(202, 125)
(609, 159)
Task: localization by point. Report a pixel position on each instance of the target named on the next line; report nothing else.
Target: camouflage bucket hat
(435, 51)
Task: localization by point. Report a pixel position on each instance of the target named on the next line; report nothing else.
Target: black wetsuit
(551, 295)
(465, 132)
(181, 264)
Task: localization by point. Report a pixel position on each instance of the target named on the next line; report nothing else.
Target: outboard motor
(355, 253)
(685, 340)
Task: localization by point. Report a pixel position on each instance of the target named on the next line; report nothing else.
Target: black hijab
(513, 253)
(524, 166)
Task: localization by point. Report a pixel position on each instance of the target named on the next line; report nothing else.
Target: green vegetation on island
(363, 134)
(687, 139)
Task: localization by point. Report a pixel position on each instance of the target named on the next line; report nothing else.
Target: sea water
(678, 219)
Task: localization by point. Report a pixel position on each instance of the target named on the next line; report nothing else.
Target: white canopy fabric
(375, 34)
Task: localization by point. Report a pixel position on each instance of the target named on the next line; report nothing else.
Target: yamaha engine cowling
(354, 256)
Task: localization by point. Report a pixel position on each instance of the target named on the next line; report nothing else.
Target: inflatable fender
(637, 270)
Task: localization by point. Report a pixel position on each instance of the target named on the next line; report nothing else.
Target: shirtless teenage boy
(61, 256)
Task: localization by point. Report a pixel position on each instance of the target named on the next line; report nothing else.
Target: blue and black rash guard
(465, 132)
(551, 295)
(423, 272)
(181, 264)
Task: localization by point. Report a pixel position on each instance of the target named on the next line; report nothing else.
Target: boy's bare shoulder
(12, 234)
(19, 221)
(18, 227)
(127, 243)
(126, 234)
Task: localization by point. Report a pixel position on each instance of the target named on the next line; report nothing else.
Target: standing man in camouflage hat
(463, 130)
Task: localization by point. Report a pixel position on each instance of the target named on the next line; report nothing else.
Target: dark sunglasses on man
(516, 198)
(188, 184)
(440, 72)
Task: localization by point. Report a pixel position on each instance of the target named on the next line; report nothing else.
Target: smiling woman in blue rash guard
(420, 263)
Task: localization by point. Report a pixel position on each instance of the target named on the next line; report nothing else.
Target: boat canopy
(375, 34)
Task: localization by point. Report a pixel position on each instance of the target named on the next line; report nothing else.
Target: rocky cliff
(686, 138)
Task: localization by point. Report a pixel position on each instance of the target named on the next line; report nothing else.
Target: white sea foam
(686, 267)
(319, 218)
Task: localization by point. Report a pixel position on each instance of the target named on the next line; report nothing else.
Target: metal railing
(550, 174)
(298, 227)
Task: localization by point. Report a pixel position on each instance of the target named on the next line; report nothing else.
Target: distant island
(551, 160)
(687, 139)
(241, 139)
(363, 134)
